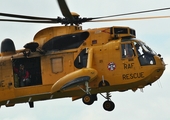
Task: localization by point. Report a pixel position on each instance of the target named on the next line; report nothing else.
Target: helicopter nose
(161, 58)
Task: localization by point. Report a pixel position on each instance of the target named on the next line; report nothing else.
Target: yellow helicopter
(67, 61)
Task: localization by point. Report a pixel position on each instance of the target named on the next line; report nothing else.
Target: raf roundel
(111, 66)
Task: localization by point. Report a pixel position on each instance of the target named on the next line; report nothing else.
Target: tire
(88, 99)
(108, 105)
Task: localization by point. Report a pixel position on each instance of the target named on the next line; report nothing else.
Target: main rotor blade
(25, 16)
(133, 13)
(64, 9)
(29, 21)
(125, 19)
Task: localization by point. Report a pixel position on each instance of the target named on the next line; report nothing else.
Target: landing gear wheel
(108, 105)
(88, 99)
(103, 83)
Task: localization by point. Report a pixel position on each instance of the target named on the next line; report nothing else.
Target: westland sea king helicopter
(67, 61)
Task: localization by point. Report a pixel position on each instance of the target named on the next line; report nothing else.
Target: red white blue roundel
(111, 66)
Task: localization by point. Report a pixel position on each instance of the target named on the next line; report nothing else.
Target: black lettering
(141, 74)
(138, 75)
(125, 76)
(128, 66)
(133, 76)
(125, 66)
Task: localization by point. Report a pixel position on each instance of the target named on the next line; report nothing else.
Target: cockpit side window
(127, 50)
(138, 49)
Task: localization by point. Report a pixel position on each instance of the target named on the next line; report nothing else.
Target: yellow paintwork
(73, 75)
(102, 49)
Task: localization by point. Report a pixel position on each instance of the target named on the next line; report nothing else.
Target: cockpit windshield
(147, 48)
(145, 53)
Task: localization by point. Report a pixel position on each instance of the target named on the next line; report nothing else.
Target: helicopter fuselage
(71, 62)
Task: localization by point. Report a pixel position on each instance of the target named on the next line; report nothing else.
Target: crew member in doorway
(23, 75)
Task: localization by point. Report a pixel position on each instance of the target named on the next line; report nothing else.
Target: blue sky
(153, 103)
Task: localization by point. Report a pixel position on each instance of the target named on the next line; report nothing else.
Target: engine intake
(7, 47)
